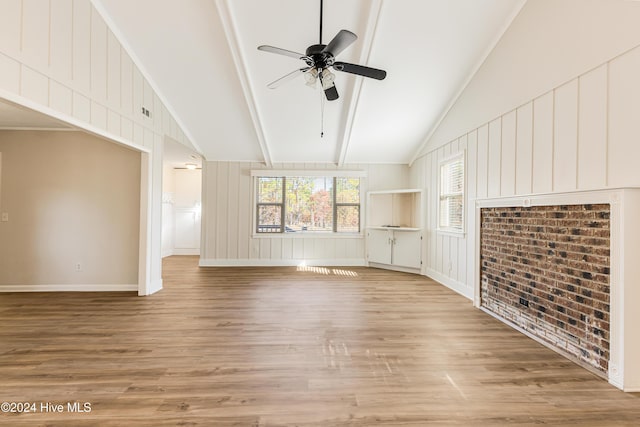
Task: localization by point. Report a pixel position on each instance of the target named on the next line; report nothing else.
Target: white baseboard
(395, 268)
(165, 253)
(454, 285)
(191, 251)
(69, 288)
(154, 286)
(331, 262)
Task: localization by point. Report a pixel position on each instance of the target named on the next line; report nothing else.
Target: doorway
(181, 200)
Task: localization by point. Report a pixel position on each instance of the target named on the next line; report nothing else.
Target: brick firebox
(546, 270)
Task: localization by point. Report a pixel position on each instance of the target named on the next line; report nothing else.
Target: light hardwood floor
(280, 347)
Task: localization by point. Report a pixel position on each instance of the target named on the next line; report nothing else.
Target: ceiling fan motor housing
(320, 58)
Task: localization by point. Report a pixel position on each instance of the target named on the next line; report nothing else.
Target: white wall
(228, 213)
(168, 220)
(577, 132)
(61, 59)
(580, 135)
(549, 43)
(71, 199)
(181, 211)
(62, 56)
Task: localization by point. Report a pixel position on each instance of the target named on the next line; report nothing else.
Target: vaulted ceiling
(202, 57)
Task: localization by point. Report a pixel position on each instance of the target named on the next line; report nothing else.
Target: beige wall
(71, 198)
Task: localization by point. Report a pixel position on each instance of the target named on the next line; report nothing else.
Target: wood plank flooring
(281, 347)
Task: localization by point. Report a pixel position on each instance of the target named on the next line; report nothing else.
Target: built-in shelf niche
(395, 209)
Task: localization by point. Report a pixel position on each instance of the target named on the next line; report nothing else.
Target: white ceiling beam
(470, 77)
(370, 31)
(241, 68)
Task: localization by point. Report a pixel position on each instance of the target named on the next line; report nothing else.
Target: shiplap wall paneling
(98, 115)
(126, 84)
(114, 71)
(508, 155)
(433, 224)
(524, 149)
(138, 133)
(81, 107)
(463, 146)
(34, 85)
(244, 207)
(624, 120)
(441, 258)
(9, 74)
(483, 162)
(82, 46)
(565, 150)
(222, 217)
(61, 43)
(147, 102)
(543, 144)
(10, 27)
(592, 131)
(60, 98)
(232, 210)
(98, 57)
(113, 122)
(494, 158)
(138, 96)
(126, 128)
(35, 34)
(471, 181)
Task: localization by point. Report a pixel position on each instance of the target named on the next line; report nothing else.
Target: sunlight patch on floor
(326, 271)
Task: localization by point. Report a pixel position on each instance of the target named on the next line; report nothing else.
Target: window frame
(454, 231)
(334, 175)
(281, 204)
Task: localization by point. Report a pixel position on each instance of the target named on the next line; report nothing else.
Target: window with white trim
(290, 204)
(451, 209)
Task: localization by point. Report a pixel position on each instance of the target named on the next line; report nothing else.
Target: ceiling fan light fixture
(328, 79)
(311, 77)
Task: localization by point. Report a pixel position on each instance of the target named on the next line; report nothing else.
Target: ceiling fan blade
(360, 70)
(280, 51)
(340, 42)
(290, 76)
(331, 93)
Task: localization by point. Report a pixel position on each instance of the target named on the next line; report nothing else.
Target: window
(451, 212)
(290, 204)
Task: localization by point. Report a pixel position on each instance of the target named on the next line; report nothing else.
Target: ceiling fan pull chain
(321, 114)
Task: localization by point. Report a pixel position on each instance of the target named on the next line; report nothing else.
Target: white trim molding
(329, 262)
(454, 285)
(301, 172)
(70, 288)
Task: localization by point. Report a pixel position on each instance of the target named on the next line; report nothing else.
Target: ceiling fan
(319, 57)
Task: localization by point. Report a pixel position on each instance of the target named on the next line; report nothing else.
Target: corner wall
(61, 59)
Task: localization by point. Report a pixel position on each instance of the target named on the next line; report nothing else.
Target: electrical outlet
(78, 267)
(5, 217)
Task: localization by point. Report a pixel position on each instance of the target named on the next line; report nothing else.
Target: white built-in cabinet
(394, 229)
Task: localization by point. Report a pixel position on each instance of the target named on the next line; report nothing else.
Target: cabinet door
(407, 248)
(379, 246)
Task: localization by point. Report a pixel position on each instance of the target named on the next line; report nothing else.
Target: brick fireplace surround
(564, 269)
(546, 270)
